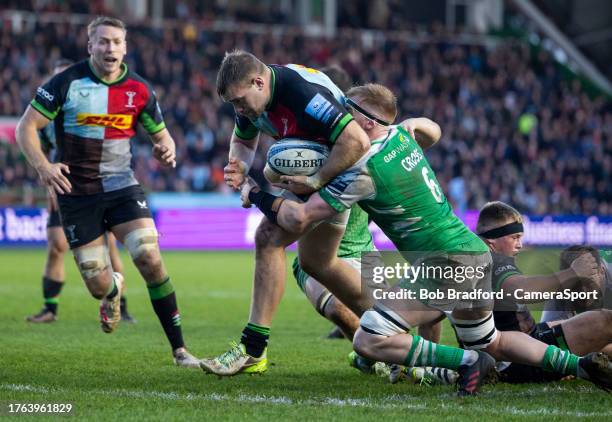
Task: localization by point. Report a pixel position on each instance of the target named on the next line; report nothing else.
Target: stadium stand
(514, 129)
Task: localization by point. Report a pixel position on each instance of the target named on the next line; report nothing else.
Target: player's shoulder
(136, 77)
(75, 71)
(503, 263)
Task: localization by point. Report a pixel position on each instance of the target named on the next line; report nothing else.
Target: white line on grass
(396, 401)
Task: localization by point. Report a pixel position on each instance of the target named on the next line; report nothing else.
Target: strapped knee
(477, 333)
(92, 260)
(140, 241)
(383, 322)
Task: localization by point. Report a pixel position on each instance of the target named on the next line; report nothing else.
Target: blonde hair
(237, 66)
(104, 21)
(376, 99)
(496, 214)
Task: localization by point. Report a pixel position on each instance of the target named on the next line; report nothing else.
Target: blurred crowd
(513, 128)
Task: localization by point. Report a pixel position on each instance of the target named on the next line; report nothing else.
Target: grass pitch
(129, 375)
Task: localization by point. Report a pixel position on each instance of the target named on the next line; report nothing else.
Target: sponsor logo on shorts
(142, 204)
(71, 236)
(117, 121)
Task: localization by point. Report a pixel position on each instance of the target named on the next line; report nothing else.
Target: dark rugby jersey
(94, 121)
(508, 315)
(304, 104)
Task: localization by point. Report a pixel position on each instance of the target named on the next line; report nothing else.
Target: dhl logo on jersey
(117, 121)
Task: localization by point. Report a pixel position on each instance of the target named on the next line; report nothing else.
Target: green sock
(426, 353)
(561, 361)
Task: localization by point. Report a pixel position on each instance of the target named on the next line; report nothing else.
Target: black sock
(123, 304)
(255, 339)
(51, 291)
(164, 304)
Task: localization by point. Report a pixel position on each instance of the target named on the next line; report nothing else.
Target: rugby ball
(296, 157)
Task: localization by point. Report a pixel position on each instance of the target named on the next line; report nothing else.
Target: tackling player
(398, 189)
(96, 105)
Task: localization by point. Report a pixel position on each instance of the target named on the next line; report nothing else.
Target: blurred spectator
(513, 129)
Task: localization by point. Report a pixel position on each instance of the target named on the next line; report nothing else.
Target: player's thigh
(82, 218)
(127, 210)
(270, 235)
(587, 332)
(320, 246)
(396, 303)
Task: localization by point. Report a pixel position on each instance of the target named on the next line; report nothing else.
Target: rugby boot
(598, 368)
(185, 359)
(43, 316)
(235, 361)
(110, 309)
(471, 377)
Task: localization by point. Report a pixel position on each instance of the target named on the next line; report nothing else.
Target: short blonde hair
(496, 214)
(104, 21)
(377, 99)
(237, 66)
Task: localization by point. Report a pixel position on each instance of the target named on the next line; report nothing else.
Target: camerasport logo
(117, 121)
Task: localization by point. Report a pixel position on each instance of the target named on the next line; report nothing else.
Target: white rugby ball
(296, 157)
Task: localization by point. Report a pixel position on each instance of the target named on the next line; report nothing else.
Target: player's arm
(241, 154)
(425, 131)
(583, 267)
(51, 174)
(351, 145)
(164, 148)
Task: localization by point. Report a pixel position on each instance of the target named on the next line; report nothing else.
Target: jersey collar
(121, 77)
(272, 88)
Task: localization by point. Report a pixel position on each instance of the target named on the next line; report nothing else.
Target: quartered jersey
(94, 121)
(395, 185)
(304, 104)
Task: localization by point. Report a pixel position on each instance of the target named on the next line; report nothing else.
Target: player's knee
(57, 248)
(268, 235)
(362, 343)
(308, 266)
(92, 261)
(97, 291)
(142, 244)
(476, 334)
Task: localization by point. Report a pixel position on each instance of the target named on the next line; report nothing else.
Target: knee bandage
(383, 323)
(140, 241)
(92, 260)
(477, 333)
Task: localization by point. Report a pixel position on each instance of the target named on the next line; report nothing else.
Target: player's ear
(258, 82)
(89, 46)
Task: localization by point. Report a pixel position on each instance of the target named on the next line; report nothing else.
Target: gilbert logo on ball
(296, 157)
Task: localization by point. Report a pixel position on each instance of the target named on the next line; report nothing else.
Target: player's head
(372, 105)
(60, 65)
(107, 45)
(338, 76)
(501, 228)
(242, 81)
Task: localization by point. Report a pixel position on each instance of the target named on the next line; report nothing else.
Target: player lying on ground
(501, 228)
(285, 101)
(96, 104)
(397, 188)
(57, 245)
